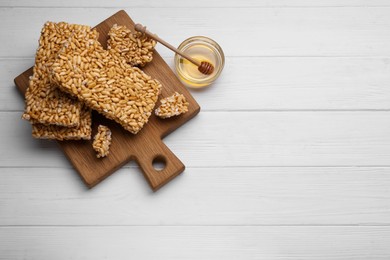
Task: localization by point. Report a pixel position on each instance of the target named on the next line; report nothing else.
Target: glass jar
(202, 49)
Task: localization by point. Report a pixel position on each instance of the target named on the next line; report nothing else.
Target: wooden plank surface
(144, 147)
(196, 4)
(334, 83)
(215, 139)
(208, 242)
(218, 196)
(314, 31)
(312, 81)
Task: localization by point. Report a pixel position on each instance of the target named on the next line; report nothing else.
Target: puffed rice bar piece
(105, 82)
(45, 103)
(135, 47)
(82, 132)
(102, 141)
(172, 106)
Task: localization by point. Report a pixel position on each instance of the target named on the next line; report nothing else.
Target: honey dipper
(204, 67)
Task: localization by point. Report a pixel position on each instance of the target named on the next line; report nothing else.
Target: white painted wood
(271, 173)
(346, 31)
(209, 242)
(10, 98)
(250, 83)
(201, 196)
(192, 4)
(240, 139)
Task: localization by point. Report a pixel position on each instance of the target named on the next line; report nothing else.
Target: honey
(202, 49)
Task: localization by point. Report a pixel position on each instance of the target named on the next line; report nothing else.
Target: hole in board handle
(159, 163)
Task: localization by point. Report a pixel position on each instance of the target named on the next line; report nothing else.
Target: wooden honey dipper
(204, 67)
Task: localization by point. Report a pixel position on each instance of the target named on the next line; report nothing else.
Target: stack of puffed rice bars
(74, 74)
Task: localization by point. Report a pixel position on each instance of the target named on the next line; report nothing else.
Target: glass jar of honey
(202, 49)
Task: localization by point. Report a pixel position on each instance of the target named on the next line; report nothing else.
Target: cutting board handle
(160, 153)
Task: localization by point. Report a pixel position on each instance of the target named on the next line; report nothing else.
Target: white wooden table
(288, 159)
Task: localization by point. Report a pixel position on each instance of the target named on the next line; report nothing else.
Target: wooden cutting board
(146, 146)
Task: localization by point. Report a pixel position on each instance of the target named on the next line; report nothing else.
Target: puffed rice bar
(135, 47)
(102, 141)
(172, 106)
(45, 103)
(82, 132)
(105, 83)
